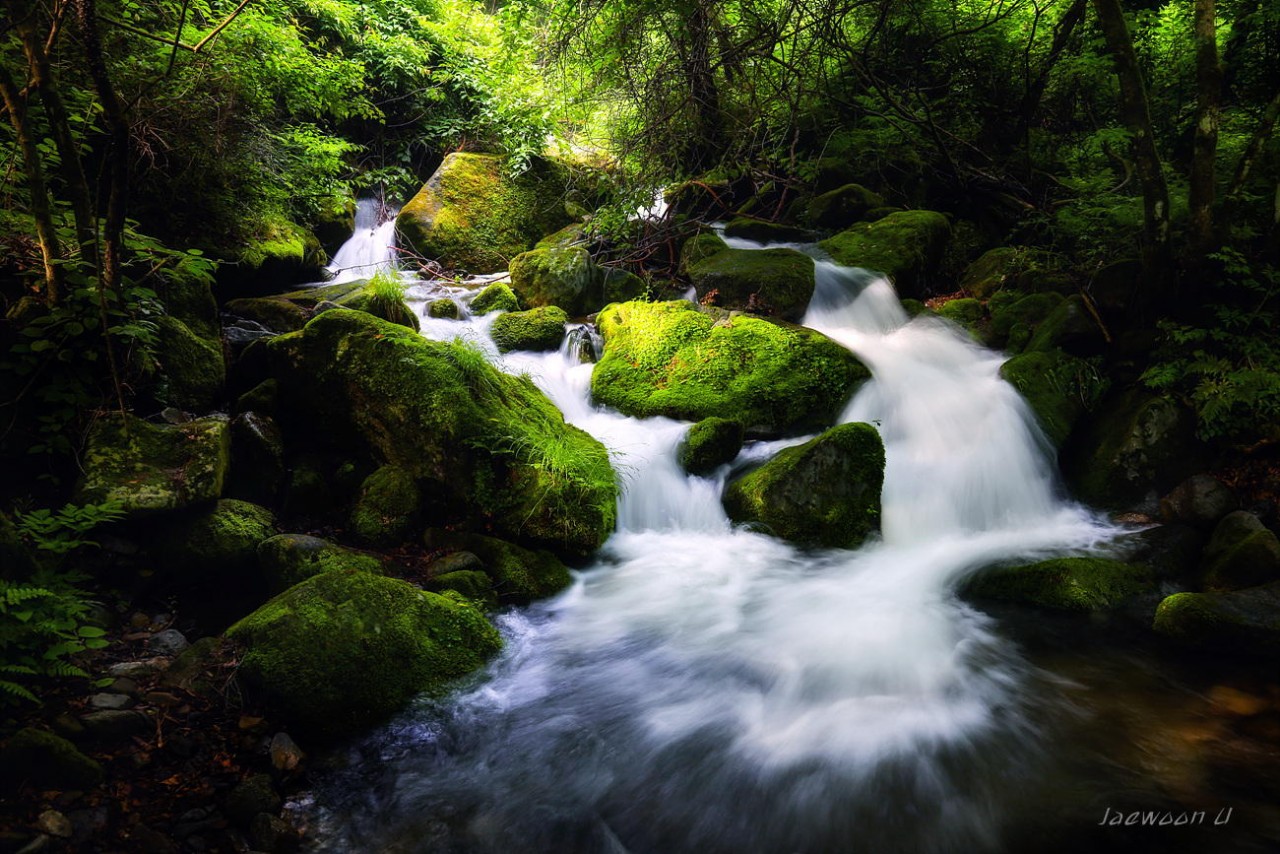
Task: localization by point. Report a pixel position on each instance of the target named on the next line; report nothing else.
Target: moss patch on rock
(495, 297)
(1015, 318)
(518, 575)
(388, 507)
(841, 207)
(1242, 621)
(1058, 387)
(906, 246)
(443, 309)
(709, 444)
(192, 369)
(45, 761)
(763, 231)
(345, 649)
(275, 313)
(825, 492)
(536, 329)
(561, 277)
(672, 359)
(221, 540)
(1242, 552)
(699, 248)
(1012, 267)
(766, 281)
(288, 559)
(1064, 584)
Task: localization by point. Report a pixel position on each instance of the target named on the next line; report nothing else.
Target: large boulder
(487, 447)
(765, 281)
(1242, 552)
(709, 444)
(188, 296)
(699, 248)
(1064, 584)
(496, 297)
(839, 208)
(1058, 387)
(1015, 318)
(1071, 327)
(278, 313)
(220, 540)
(906, 246)
(536, 329)
(192, 369)
(671, 359)
(149, 468)
(280, 253)
(345, 649)
(1241, 621)
(289, 559)
(561, 277)
(825, 492)
(517, 575)
(472, 214)
(388, 507)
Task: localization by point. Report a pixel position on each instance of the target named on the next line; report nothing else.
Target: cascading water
(707, 688)
(371, 247)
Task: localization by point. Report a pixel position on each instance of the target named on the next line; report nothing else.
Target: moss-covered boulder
(221, 540)
(561, 277)
(473, 584)
(1059, 388)
(288, 559)
(618, 285)
(1242, 552)
(1069, 327)
(699, 248)
(150, 468)
(574, 234)
(472, 214)
(280, 253)
(495, 297)
(388, 508)
(45, 761)
(1011, 267)
(764, 281)
(839, 208)
(967, 313)
(709, 444)
(192, 369)
(906, 246)
(275, 313)
(825, 492)
(345, 649)
(1064, 584)
(763, 231)
(335, 222)
(1015, 318)
(536, 329)
(486, 447)
(1241, 621)
(671, 359)
(188, 296)
(518, 575)
(443, 309)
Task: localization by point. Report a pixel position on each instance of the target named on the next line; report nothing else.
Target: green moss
(486, 445)
(281, 247)
(148, 468)
(518, 575)
(1067, 326)
(46, 761)
(1241, 553)
(189, 298)
(1064, 584)
(906, 246)
(768, 281)
(495, 297)
(221, 540)
(1058, 387)
(261, 398)
(345, 649)
(672, 359)
(699, 248)
(561, 277)
(473, 215)
(387, 508)
(535, 329)
(841, 207)
(1012, 267)
(1014, 318)
(825, 492)
(709, 444)
(571, 235)
(192, 369)
(618, 285)
(288, 559)
(1243, 621)
(444, 309)
(275, 313)
(966, 312)
(471, 583)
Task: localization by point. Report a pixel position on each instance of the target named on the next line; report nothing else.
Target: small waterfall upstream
(705, 688)
(371, 248)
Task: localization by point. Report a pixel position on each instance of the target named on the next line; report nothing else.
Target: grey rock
(1200, 501)
(111, 701)
(167, 642)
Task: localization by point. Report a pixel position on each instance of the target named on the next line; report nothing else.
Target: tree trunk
(1251, 153)
(1205, 149)
(1136, 112)
(709, 121)
(41, 208)
(1035, 89)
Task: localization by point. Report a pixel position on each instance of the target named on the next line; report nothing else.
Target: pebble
(55, 823)
(111, 701)
(123, 685)
(137, 669)
(168, 642)
(285, 753)
(110, 724)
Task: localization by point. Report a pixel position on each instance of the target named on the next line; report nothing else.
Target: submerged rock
(485, 447)
(345, 649)
(495, 297)
(766, 281)
(672, 359)
(1241, 621)
(388, 507)
(1064, 584)
(906, 246)
(536, 329)
(825, 492)
(1242, 552)
(518, 575)
(287, 559)
(709, 444)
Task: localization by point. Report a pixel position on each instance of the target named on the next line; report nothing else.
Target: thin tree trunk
(1253, 150)
(709, 135)
(1035, 89)
(41, 208)
(1136, 112)
(1205, 148)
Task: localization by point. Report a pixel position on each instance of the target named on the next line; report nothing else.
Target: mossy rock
(289, 559)
(473, 584)
(574, 234)
(561, 277)
(1064, 584)
(495, 297)
(336, 222)
(45, 761)
(1059, 388)
(257, 459)
(1239, 622)
(518, 575)
(220, 541)
(840, 208)
(672, 359)
(486, 446)
(966, 312)
(280, 253)
(310, 490)
(709, 444)
(1242, 552)
(473, 215)
(443, 309)
(1015, 318)
(536, 329)
(699, 248)
(275, 313)
(1069, 327)
(1006, 267)
(193, 371)
(825, 492)
(189, 298)
(346, 649)
(388, 507)
(763, 231)
(151, 468)
(906, 246)
(618, 285)
(765, 281)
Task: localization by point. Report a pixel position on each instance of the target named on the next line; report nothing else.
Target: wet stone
(111, 701)
(168, 642)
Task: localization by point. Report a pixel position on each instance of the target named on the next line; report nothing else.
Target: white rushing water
(703, 687)
(371, 247)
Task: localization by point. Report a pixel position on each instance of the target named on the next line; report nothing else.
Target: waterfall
(703, 687)
(371, 247)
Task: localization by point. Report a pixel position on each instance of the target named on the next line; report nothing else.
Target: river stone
(1241, 621)
(518, 575)
(149, 468)
(286, 756)
(221, 540)
(443, 309)
(699, 248)
(906, 246)
(192, 369)
(167, 642)
(763, 281)
(672, 359)
(1242, 552)
(388, 507)
(346, 649)
(840, 208)
(709, 444)
(495, 297)
(1171, 550)
(277, 313)
(1058, 387)
(116, 725)
(538, 329)
(566, 278)
(287, 559)
(1063, 584)
(1200, 501)
(825, 492)
(46, 761)
(763, 231)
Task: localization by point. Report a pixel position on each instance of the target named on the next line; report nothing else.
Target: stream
(701, 687)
